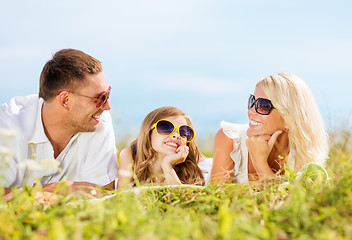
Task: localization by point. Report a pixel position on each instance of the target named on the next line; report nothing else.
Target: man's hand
(69, 187)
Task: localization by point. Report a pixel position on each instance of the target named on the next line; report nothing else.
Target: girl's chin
(167, 152)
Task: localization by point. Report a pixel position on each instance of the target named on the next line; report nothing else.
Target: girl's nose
(175, 134)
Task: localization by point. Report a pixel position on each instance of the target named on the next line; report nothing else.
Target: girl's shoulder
(126, 157)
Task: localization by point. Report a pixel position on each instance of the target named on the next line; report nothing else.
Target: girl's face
(264, 124)
(165, 145)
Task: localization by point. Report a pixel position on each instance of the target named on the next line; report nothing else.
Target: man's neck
(58, 134)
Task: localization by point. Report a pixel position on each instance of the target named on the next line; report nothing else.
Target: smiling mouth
(255, 123)
(172, 144)
(96, 117)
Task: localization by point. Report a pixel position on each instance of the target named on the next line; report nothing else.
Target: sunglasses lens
(164, 127)
(263, 106)
(102, 99)
(251, 101)
(186, 132)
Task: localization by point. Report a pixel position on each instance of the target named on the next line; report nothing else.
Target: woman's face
(264, 124)
(165, 145)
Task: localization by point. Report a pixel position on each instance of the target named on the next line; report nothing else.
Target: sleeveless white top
(239, 154)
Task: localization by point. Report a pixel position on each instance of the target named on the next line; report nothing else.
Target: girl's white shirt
(205, 166)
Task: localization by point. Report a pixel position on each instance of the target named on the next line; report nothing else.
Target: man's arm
(110, 186)
(79, 189)
(69, 186)
(7, 190)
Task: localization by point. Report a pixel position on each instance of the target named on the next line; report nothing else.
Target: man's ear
(63, 99)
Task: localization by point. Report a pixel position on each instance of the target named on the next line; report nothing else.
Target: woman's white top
(239, 154)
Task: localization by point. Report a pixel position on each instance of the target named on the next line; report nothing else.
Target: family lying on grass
(69, 122)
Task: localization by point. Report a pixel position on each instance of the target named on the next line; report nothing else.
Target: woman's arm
(259, 148)
(222, 170)
(125, 173)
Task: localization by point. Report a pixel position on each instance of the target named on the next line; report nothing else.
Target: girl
(163, 153)
(285, 127)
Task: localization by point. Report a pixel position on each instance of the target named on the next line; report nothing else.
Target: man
(67, 122)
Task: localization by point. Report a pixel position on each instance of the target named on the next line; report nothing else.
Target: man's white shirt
(29, 155)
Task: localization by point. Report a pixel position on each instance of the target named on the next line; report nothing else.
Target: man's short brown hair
(65, 71)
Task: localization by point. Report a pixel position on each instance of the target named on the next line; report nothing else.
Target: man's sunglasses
(262, 106)
(165, 128)
(100, 100)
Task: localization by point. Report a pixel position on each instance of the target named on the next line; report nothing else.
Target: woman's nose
(252, 111)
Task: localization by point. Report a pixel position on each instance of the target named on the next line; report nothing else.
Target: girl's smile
(165, 145)
(172, 144)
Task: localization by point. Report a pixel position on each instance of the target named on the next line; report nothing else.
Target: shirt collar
(38, 135)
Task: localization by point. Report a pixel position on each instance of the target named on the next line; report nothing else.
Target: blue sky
(201, 56)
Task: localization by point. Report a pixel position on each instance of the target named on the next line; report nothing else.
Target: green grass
(312, 210)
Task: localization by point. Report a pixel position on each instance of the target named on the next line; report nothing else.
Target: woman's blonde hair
(308, 140)
(143, 153)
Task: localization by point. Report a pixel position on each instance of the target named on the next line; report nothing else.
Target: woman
(285, 128)
(163, 153)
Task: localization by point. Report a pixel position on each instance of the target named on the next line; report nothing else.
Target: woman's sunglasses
(262, 106)
(100, 100)
(165, 128)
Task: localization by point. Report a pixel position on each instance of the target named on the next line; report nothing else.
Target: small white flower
(125, 173)
(30, 165)
(49, 163)
(5, 150)
(136, 190)
(7, 133)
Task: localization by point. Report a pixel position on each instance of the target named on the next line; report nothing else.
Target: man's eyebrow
(101, 93)
(98, 94)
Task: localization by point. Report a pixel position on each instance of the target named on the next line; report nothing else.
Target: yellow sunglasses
(164, 128)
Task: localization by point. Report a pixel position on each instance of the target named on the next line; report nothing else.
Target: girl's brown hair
(143, 153)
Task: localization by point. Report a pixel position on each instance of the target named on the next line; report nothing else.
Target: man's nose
(106, 105)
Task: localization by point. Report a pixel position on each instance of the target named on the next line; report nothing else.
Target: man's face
(83, 115)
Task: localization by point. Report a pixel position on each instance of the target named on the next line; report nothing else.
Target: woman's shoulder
(233, 130)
